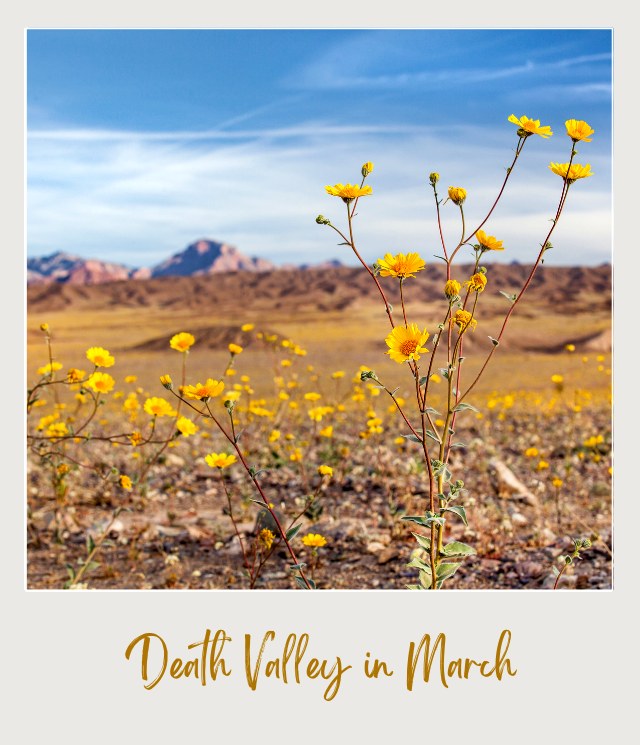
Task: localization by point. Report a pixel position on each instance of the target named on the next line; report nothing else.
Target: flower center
(409, 347)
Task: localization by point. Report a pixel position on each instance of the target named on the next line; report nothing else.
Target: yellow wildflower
(235, 349)
(570, 347)
(451, 288)
(275, 435)
(57, 429)
(530, 126)
(477, 283)
(204, 392)
(125, 482)
(557, 482)
(155, 406)
(314, 540)
(542, 465)
(135, 438)
(101, 382)
(457, 194)
(74, 375)
(247, 327)
(531, 452)
(367, 168)
(312, 396)
(489, 242)
(100, 357)
(49, 368)
(219, 460)
(557, 379)
(337, 374)
(131, 378)
(400, 265)
(578, 130)
(182, 342)
(573, 173)
(405, 343)
(166, 381)
(464, 320)
(325, 470)
(348, 192)
(186, 427)
(266, 538)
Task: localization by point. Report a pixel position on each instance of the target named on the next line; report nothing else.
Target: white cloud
(138, 197)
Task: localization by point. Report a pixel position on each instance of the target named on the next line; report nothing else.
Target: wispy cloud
(138, 198)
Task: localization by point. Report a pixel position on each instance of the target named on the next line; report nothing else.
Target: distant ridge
(201, 258)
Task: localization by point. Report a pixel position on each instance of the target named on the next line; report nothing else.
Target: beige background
(64, 676)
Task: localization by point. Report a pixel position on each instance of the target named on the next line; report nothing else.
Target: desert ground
(174, 530)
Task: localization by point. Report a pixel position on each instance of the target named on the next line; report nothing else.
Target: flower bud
(322, 220)
(452, 288)
(167, 382)
(44, 327)
(457, 194)
(366, 169)
(434, 178)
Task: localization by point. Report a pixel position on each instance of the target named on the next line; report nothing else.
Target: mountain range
(201, 258)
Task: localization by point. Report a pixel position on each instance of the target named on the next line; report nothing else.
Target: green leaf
(460, 511)
(417, 519)
(555, 570)
(419, 564)
(431, 410)
(414, 587)
(70, 571)
(90, 544)
(423, 380)
(457, 445)
(455, 548)
(295, 567)
(92, 565)
(425, 580)
(463, 406)
(424, 542)
(444, 571)
(291, 533)
(432, 435)
(413, 438)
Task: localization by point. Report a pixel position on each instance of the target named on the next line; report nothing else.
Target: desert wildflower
(318, 412)
(101, 382)
(155, 406)
(325, 470)
(166, 381)
(100, 357)
(531, 452)
(296, 455)
(219, 460)
(457, 194)
(405, 343)
(45, 421)
(578, 130)
(182, 342)
(557, 379)
(74, 375)
(57, 429)
(348, 192)
(326, 431)
(266, 538)
(275, 435)
(131, 378)
(49, 368)
(247, 327)
(186, 427)
(570, 347)
(464, 320)
(477, 283)
(235, 349)
(125, 482)
(557, 482)
(573, 173)
(44, 327)
(367, 168)
(530, 126)
(400, 265)
(312, 396)
(488, 242)
(451, 288)
(337, 374)
(542, 465)
(204, 391)
(314, 540)
(135, 438)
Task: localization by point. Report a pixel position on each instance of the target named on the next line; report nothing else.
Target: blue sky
(140, 142)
